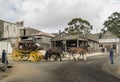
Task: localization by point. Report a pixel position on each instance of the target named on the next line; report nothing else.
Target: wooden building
(68, 41)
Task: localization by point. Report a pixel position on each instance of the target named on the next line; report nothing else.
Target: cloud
(52, 15)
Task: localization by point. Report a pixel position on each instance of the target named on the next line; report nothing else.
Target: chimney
(59, 31)
(21, 23)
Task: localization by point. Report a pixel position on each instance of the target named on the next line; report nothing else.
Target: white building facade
(109, 40)
(8, 30)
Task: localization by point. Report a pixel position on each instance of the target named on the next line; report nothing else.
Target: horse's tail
(85, 54)
(60, 57)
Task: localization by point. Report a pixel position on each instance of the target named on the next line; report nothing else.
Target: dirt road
(66, 71)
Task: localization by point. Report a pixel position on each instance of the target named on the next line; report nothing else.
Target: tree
(113, 24)
(78, 26)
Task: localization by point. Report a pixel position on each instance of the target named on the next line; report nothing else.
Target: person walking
(4, 58)
(111, 56)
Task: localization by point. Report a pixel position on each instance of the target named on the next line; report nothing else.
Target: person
(103, 49)
(4, 58)
(111, 56)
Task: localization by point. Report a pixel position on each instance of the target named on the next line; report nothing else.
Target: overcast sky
(54, 15)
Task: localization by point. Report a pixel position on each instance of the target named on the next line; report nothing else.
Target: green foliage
(113, 24)
(78, 26)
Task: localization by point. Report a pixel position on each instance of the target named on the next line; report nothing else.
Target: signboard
(108, 40)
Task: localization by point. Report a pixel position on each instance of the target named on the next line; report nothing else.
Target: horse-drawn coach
(27, 50)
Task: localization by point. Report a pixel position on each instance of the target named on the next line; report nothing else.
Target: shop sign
(108, 40)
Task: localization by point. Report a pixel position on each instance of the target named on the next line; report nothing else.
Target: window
(114, 46)
(14, 29)
(7, 28)
(100, 45)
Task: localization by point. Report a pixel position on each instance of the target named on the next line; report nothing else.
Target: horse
(53, 52)
(81, 51)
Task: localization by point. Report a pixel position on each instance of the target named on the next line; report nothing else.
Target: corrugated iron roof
(68, 37)
(94, 37)
(43, 33)
(39, 32)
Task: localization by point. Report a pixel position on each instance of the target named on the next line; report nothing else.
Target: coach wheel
(16, 56)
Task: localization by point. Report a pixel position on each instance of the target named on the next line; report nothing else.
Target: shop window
(114, 46)
(100, 45)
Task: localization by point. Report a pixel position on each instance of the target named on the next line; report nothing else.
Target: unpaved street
(66, 71)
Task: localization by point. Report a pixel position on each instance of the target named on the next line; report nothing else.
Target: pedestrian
(4, 58)
(103, 49)
(111, 56)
